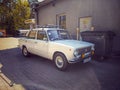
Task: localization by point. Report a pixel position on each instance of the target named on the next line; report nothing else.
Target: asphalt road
(36, 73)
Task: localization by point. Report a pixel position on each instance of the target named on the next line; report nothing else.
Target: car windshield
(58, 35)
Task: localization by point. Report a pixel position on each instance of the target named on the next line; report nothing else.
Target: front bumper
(82, 57)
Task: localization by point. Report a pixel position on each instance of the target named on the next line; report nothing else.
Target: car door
(30, 43)
(42, 44)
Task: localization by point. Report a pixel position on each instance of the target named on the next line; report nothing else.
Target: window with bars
(61, 20)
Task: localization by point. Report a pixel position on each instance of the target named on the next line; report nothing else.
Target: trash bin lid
(98, 33)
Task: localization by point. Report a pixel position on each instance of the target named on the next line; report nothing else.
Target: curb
(7, 83)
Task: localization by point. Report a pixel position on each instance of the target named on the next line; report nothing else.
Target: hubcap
(59, 62)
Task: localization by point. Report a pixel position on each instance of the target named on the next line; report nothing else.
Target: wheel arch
(61, 66)
(23, 46)
(58, 52)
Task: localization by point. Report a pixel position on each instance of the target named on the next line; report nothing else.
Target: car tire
(60, 61)
(25, 52)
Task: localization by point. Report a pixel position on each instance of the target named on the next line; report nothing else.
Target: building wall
(105, 13)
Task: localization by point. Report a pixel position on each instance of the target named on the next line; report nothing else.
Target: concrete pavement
(8, 43)
(5, 82)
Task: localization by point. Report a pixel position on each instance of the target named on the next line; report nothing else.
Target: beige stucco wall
(105, 13)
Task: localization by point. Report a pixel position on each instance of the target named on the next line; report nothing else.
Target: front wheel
(25, 52)
(60, 61)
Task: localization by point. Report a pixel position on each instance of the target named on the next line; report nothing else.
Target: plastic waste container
(102, 39)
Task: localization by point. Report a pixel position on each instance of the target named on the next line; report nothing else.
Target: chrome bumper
(81, 57)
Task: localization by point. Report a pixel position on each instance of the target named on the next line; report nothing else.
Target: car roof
(46, 29)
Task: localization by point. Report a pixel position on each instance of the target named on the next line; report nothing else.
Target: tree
(21, 12)
(4, 13)
(13, 13)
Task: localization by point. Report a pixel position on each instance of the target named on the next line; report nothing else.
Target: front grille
(84, 50)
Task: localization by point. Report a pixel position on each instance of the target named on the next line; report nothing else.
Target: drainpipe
(78, 33)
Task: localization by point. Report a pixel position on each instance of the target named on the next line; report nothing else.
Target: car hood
(74, 43)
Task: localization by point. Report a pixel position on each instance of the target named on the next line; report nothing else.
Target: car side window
(32, 34)
(41, 35)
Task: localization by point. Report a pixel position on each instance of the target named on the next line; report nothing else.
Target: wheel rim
(25, 51)
(59, 62)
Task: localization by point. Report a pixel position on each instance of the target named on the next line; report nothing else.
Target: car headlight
(76, 53)
(93, 48)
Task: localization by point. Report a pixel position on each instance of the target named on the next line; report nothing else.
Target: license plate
(86, 60)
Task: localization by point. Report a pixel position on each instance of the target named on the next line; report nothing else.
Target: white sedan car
(56, 44)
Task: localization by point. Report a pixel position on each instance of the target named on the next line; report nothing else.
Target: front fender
(67, 51)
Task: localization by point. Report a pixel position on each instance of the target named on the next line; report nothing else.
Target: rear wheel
(60, 61)
(25, 52)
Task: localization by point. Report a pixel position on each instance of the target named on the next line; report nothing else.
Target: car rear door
(30, 41)
(41, 44)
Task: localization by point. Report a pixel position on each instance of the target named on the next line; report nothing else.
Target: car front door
(42, 44)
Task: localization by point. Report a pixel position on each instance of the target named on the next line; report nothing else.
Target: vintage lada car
(56, 44)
